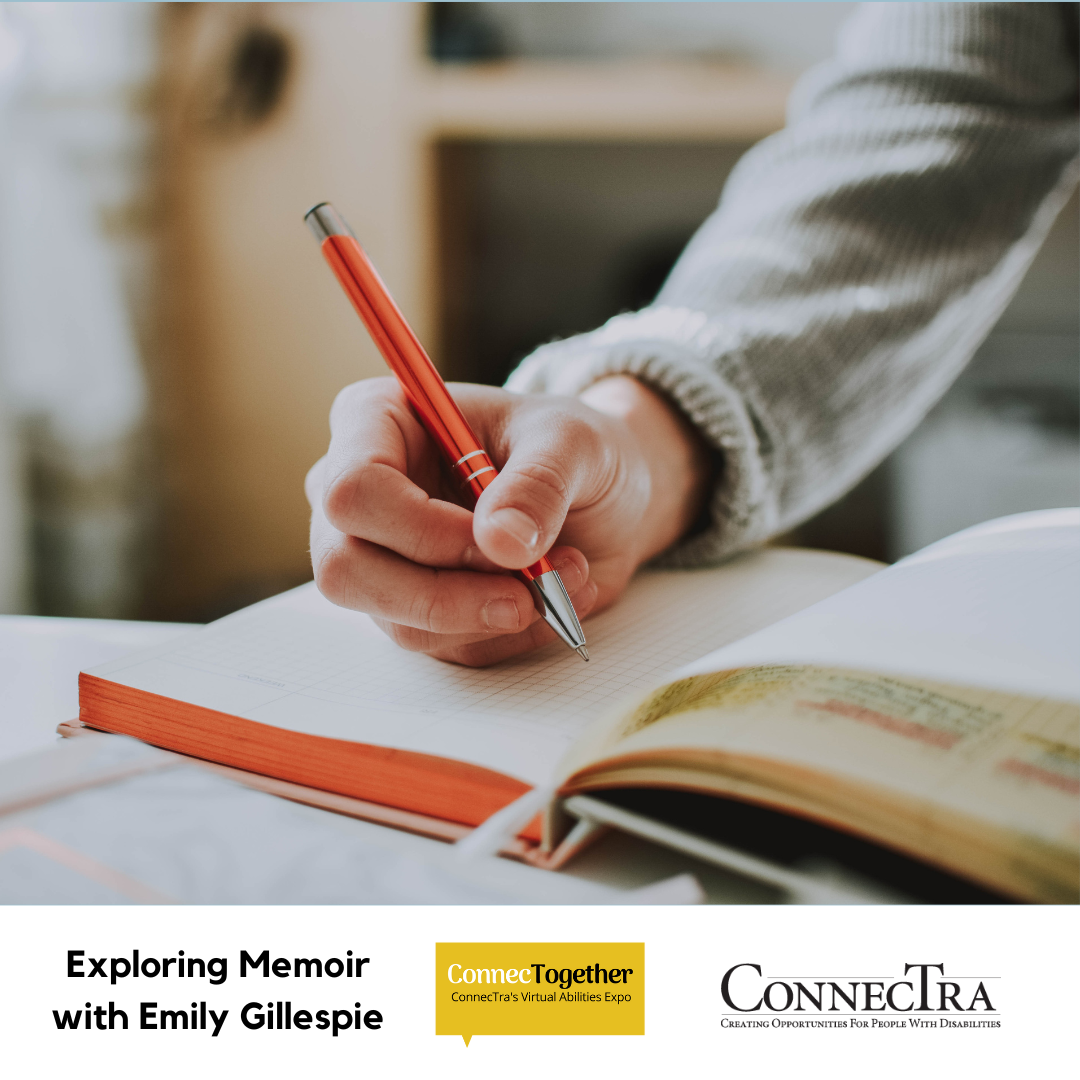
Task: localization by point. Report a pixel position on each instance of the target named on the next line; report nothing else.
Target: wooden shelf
(650, 102)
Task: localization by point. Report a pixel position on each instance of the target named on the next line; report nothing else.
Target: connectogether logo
(544, 988)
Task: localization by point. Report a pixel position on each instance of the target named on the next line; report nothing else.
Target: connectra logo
(539, 988)
(922, 997)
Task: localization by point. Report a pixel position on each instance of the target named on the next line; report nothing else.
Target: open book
(929, 708)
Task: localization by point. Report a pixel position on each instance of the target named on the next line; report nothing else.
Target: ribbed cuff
(684, 355)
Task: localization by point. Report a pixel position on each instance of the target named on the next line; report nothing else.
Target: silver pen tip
(582, 652)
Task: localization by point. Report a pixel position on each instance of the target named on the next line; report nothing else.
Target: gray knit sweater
(857, 258)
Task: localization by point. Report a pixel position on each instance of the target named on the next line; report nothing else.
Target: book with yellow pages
(929, 709)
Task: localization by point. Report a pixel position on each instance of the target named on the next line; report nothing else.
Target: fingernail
(470, 555)
(569, 574)
(501, 614)
(520, 526)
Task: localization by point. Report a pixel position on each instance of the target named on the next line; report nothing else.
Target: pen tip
(582, 652)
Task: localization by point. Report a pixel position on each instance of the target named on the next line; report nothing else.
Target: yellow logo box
(539, 988)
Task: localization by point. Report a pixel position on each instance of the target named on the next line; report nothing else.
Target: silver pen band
(460, 460)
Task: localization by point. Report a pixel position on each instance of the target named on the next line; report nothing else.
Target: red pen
(431, 400)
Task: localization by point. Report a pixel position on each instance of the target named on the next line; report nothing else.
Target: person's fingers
(353, 573)
(553, 465)
(480, 650)
(367, 493)
(573, 568)
(358, 574)
(375, 502)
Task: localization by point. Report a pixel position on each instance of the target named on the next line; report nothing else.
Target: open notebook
(301, 666)
(969, 651)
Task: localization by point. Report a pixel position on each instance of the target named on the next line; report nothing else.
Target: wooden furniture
(268, 109)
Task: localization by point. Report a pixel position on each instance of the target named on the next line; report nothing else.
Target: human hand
(600, 484)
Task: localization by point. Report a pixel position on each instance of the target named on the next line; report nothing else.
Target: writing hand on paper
(601, 484)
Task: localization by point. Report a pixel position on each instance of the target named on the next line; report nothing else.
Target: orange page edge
(403, 779)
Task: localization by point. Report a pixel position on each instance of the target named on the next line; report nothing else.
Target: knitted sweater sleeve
(856, 259)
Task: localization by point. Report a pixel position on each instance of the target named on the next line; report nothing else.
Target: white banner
(287, 992)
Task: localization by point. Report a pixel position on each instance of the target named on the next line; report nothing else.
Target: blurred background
(170, 340)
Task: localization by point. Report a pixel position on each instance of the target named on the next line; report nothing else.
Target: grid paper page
(297, 662)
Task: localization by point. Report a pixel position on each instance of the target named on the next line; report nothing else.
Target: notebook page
(300, 663)
(993, 606)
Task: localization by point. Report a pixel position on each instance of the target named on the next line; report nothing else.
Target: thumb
(521, 513)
